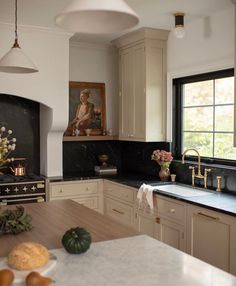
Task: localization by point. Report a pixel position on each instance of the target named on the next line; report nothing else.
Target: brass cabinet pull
(158, 220)
(172, 211)
(61, 191)
(119, 212)
(208, 216)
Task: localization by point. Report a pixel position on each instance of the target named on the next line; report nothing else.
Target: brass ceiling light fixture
(97, 16)
(179, 29)
(15, 61)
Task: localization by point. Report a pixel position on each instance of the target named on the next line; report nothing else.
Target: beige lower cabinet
(170, 223)
(145, 222)
(119, 202)
(88, 193)
(212, 237)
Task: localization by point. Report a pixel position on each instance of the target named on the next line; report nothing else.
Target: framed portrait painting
(87, 112)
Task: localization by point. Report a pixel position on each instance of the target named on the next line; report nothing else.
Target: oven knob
(33, 188)
(25, 189)
(16, 189)
(7, 190)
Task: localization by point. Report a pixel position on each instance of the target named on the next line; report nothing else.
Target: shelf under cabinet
(89, 138)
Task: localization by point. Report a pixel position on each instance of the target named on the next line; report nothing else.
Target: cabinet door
(126, 93)
(170, 233)
(145, 223)
(209, 237)
(138, 97)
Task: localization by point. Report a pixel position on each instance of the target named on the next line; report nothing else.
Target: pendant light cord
(16, 45)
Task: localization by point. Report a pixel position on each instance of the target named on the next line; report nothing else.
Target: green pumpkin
(76, 240)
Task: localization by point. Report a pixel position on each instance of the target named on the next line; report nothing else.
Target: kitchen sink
(182, 191)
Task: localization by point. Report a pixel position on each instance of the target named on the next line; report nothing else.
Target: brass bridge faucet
(198, 175)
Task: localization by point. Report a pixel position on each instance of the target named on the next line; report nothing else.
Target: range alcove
(22, 117)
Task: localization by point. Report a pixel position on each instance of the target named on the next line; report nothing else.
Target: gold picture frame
(87, 109)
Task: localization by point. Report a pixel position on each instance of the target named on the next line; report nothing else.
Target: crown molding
(54, 31)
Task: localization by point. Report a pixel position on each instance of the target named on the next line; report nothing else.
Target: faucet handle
(193, 174)
(218, 178)
(207, 171)
(205, 176)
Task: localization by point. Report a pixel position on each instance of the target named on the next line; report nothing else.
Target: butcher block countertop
(51, 220)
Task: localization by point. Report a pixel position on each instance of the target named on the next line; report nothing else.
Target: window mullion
(214, 121)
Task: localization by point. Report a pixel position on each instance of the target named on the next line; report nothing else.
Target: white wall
(49, 49)
(207, 46)
(98, 63)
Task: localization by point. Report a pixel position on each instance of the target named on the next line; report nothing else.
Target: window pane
(198, 93)
(224, 90)
(198, 119)
(203, 142)
(224, 118)
(224, 146)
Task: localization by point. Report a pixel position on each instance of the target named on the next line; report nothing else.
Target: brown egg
(6, 277)
(35, 279)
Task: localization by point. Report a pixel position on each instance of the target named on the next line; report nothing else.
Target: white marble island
(134, 261)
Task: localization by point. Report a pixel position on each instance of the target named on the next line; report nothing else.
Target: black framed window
(204, 115)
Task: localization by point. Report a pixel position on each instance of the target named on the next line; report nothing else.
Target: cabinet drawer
(120, 192)
(119, 211)
(171, 209)
(91, 202)
(73, 189)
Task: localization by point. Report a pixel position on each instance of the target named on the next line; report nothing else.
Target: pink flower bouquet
(162, 157)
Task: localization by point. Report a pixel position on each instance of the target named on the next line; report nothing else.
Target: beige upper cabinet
(142, 85)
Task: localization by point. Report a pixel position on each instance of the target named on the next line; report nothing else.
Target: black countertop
(221, 202)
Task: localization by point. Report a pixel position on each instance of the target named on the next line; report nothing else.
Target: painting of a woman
(84, 117)
(86, 108)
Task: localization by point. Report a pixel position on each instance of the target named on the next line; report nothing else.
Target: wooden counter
(51, 220)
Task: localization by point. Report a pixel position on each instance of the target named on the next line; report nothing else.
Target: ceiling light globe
(179, 32)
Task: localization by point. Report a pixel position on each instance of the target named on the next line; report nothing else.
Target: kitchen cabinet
(142, 85)
(166, 223)
(88, 193)
(119, 202)
(145, 221)
(170, 226)
(211, 237)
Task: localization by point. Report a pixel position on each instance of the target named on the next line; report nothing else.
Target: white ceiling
(152, 13)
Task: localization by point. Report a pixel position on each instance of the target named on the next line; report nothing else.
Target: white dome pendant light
(15, 61)
(97, 16)
(179, 30)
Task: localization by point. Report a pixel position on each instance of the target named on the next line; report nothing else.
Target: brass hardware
(61, 191)
(193, 174)
(158, 220)
(208, 216)
(119, 212)
(198, 175)
(218, 178)
(172, 211)
(205, 177)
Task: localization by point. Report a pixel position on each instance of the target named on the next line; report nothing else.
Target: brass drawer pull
(208, 216)
(172, 211)
(158, 220)
(119, 212)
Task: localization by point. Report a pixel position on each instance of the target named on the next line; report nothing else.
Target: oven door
(23, 200)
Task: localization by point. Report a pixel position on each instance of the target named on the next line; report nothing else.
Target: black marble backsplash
(128, 157)
(228, 174)
(79, 159)
(22, 117)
